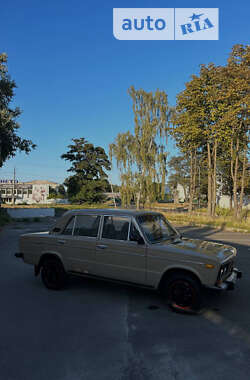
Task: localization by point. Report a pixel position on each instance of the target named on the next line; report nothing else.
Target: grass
(65, 206)
(224, 219)
(196, 219)
(59, 210)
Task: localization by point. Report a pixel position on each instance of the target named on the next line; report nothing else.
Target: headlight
(226, 269)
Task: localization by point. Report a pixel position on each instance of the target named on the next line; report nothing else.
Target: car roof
(112, 211)
(97, 211)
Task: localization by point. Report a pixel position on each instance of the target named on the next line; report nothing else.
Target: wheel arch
(45, 256)
(170, 271)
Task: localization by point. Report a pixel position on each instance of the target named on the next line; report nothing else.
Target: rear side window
(69, 227)
(115, 227)
(87, 225)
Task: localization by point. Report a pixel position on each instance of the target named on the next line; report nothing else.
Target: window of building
(87, 225)
(115, 227)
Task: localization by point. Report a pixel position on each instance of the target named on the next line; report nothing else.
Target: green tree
(10, 142)
(236, 120)
(88, 163)
(141, 156)
(52, 193)
(57, 193)
(61, 191)
(211, 119)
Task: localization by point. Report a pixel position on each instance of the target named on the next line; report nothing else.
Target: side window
(134, 234)
(69, 227)
(115, 227)
(87, 225)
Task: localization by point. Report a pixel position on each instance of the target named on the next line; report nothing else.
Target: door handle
(101, 246)
(61, 241)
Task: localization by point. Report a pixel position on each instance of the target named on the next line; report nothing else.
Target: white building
(34, 192)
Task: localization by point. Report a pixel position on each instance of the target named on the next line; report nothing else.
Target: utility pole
(14, 182)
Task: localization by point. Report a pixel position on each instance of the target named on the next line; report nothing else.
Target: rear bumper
(230, 282)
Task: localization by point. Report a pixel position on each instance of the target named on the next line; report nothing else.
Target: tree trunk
(176, 196)
(209, 181)
(185, 193)
(235, 177)
(214, 185)
(138, 198)
(190, 205)
(239, 210)
(163, 183)
(231, 202)
(193, 168)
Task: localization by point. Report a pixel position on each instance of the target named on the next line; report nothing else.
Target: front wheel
(183, 293)
(53, 274)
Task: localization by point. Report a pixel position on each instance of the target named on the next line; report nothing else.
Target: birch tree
(141, 156)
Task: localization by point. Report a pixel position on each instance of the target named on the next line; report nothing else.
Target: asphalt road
(96, 330)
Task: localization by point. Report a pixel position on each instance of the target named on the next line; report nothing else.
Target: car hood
(210, 249)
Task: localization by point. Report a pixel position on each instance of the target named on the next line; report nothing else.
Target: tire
(183, 293)
(53, 274)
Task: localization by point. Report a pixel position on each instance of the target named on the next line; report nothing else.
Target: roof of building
(42, 182)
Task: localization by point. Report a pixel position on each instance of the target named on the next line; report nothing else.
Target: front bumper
(229, 282)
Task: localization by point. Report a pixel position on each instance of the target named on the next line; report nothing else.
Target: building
(33, 192)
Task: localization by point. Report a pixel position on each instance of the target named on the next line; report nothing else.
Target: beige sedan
(136, 247)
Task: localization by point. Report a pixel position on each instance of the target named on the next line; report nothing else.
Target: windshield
(156, 228)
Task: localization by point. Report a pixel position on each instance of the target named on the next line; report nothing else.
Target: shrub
(220, 211)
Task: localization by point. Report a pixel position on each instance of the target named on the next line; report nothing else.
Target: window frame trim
(73, 228)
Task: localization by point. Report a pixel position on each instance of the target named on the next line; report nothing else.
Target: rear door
(117, 256)
(78, 243)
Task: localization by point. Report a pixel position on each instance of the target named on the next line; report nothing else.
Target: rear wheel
(53, 273)
(183, 292)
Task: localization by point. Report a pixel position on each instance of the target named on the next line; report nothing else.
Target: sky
(72, 75)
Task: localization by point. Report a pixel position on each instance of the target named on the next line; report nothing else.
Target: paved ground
(95, 330)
